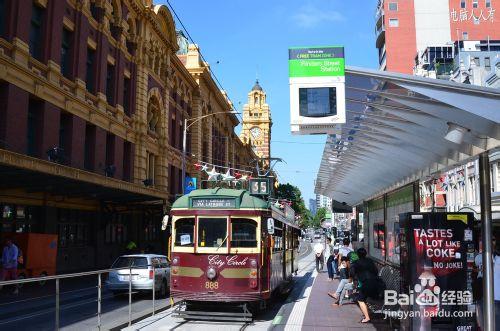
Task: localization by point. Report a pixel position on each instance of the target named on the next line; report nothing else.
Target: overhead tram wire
(203, 58)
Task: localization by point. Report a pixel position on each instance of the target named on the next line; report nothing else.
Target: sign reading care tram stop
(317, 89)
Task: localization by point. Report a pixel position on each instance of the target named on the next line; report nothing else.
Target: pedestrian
(344, 250)
(318, 250)
(346, 283)
(369, 283)
(330, 256)
(10, 255)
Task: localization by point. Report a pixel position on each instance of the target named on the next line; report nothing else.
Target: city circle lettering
(231, 260)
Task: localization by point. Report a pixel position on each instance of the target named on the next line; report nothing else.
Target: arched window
(153, 114)
(256, 100)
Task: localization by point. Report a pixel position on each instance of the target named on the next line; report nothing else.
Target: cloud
(310, 16)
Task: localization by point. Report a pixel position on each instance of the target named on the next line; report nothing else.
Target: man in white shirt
(318, 251)
(344, 250)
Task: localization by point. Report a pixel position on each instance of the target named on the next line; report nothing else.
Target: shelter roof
(395, 132)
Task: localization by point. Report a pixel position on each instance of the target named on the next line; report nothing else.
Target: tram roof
(245, 200)
(395, 133)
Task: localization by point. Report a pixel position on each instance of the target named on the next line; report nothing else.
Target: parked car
(140, 267)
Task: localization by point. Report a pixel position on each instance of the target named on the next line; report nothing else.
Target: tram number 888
(212, 285)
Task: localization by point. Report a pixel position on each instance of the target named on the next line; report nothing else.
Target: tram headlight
(211, 273)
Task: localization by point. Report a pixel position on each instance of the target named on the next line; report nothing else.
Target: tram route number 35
(212, 285)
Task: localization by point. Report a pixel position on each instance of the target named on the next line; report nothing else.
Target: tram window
(212, 232)
(277, 240)
(184, 232)
(243, 233)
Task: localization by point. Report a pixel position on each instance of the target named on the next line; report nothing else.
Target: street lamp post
(191, 121)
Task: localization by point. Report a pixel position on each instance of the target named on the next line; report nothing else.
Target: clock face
(255, 131)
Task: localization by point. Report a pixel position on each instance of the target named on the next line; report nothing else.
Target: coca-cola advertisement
(437, 255)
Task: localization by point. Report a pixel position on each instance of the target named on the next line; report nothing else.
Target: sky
(242, 40)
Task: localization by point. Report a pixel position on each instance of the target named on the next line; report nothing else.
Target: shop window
(36, 39)
(379, 236)
(212, 232)
(150, 230)
(475, 3)
(90, 76)
(462, 4)
(243, 233)
(487, 3)
(184, 232)
(67, 39)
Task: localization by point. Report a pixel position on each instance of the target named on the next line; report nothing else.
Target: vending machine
(437, 256)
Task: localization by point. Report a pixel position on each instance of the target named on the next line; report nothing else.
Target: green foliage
(320, 214)
(292, 193)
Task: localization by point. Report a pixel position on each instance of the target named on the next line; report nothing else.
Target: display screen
(318, 101)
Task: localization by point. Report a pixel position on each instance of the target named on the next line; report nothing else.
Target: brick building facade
(92, 103)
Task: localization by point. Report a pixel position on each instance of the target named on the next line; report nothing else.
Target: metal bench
(392, 279)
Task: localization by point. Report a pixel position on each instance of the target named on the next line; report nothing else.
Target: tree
(292, 193)
(320, 214)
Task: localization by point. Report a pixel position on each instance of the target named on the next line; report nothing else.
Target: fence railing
(97, 273)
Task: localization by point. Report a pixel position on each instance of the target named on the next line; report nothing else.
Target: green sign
(328, 215)
(325, 61)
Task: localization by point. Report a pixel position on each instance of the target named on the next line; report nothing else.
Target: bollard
(154, 288)
(99, 285)
(130, 296)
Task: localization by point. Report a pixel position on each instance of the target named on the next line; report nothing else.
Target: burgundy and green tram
(226, 248)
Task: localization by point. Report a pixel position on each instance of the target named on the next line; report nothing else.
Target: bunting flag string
(232, 175)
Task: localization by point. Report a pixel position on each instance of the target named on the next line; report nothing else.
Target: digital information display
(318, 101)
(213, 203)
(317, 89)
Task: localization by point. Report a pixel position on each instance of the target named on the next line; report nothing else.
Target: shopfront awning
(18, 171)
(395, 132)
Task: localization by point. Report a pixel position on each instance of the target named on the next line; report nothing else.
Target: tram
(229, 246)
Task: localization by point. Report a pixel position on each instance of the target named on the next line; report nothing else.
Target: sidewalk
(320, 315)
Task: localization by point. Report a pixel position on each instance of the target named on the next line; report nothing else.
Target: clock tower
(257, 123)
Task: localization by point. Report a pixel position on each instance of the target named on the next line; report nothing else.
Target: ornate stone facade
(93, 102)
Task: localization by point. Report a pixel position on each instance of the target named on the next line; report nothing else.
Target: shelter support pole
(486, 228)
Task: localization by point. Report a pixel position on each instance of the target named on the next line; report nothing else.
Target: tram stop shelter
(401, 129)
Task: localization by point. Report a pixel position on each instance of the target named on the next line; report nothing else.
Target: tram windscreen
(212, 232)
(184, 232)
(243, 233)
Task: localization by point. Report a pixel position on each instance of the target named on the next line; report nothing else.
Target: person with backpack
(10, 256)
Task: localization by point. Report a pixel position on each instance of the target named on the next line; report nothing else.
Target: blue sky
(250, 37)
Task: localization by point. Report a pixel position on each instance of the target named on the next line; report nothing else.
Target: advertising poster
(436, 269)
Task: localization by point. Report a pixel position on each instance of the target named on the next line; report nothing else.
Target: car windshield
(243, 233)
(135, 262)
(212, 232)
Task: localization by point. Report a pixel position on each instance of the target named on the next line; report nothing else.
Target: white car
(140, 266)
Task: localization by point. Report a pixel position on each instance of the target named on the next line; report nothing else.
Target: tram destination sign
(213, 203)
